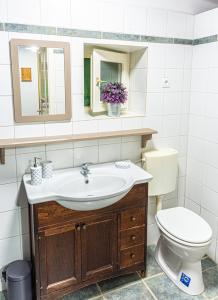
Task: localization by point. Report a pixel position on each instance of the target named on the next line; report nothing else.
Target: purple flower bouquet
(114, 94)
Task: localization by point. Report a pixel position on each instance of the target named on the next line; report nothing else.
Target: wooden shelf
(145, 133)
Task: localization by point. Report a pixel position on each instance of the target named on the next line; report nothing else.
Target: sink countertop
(45, 191)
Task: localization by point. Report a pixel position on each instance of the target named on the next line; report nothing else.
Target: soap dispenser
(36, 172)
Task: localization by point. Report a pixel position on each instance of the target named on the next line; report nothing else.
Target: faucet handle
(86, 164)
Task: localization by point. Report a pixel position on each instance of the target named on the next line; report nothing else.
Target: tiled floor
(155, 286)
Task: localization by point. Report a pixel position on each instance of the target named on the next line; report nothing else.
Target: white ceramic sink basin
(101, 190)
(107, 184)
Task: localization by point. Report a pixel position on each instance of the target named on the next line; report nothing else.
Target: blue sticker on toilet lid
(185, 279)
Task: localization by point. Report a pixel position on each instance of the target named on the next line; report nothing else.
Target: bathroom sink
(102, 189)
(106, 185)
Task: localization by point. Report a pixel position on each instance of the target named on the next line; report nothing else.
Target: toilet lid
(185, 225)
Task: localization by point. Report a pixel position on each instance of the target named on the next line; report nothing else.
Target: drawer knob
(133, 237)
(132, 255)
(78, 228)
(84, 226)
(133, 218)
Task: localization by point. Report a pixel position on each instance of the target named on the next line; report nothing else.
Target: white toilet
(184, 235)
(185, 238)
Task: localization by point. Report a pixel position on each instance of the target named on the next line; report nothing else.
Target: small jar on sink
(47, 169)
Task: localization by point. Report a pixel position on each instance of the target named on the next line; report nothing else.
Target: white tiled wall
(166, 109)
(206, 24)
(202, 163)
(98, 15)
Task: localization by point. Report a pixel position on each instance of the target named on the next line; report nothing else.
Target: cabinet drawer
(132, 237)
(132, 218)
(132, 256)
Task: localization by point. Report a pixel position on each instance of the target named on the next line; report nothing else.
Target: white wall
(167, 109)
(206, 24)
(202, 163)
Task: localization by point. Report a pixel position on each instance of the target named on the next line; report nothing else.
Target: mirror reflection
(42, 80)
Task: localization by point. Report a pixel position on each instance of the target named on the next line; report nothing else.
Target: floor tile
(152, 266)
(118, 282)
(136, 291)
(211, 282)
(84, 294)
(2, 297)
(131, 287)
(164, 289)
(207, 263)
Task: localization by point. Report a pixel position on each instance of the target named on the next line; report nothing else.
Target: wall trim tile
(183, 41)
(156, 39)
(78, 33)
(34, 29)
(71, 32)
(121, 36)
(206, 40)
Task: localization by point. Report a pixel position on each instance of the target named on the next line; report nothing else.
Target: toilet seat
(181, 242)
(184, 226)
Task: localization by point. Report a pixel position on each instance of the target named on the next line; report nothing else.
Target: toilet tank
(162, 164)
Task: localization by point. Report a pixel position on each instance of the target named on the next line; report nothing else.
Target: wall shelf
(145, 133)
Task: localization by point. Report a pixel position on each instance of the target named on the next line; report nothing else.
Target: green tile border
(206, 40)
(49, 30)
(34, 29)
(78, 33)
(121, 36)
(156, 39)
(183, 41)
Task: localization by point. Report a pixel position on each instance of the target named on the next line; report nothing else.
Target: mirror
(41, 80)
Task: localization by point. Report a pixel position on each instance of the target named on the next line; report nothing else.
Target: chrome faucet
(85, 171)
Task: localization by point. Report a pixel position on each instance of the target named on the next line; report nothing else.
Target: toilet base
(185, 275)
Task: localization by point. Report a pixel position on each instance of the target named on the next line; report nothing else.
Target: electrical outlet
(165, 83)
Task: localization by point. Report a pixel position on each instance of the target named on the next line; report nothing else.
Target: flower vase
(113, 109)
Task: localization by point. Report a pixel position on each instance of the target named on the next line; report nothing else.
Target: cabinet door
(99, 246)
(59, 258)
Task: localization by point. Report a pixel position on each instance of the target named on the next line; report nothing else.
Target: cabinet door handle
(78, 228)
(133, 237)
(132, 255)
(133, 218)
(84, 226)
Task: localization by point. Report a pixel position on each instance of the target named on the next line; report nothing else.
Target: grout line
(95, 297)
(204, 296)
(99, 289)
(153, 276)
(150, 291)
(120, 288)
(10, 237)
(209, 269)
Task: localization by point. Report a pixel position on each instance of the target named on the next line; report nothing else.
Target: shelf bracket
(2, 156)
(145, 139)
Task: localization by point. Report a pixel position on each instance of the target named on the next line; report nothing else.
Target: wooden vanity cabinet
(72, 249)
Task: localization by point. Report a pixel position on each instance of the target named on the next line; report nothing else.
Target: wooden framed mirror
(41, 80)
